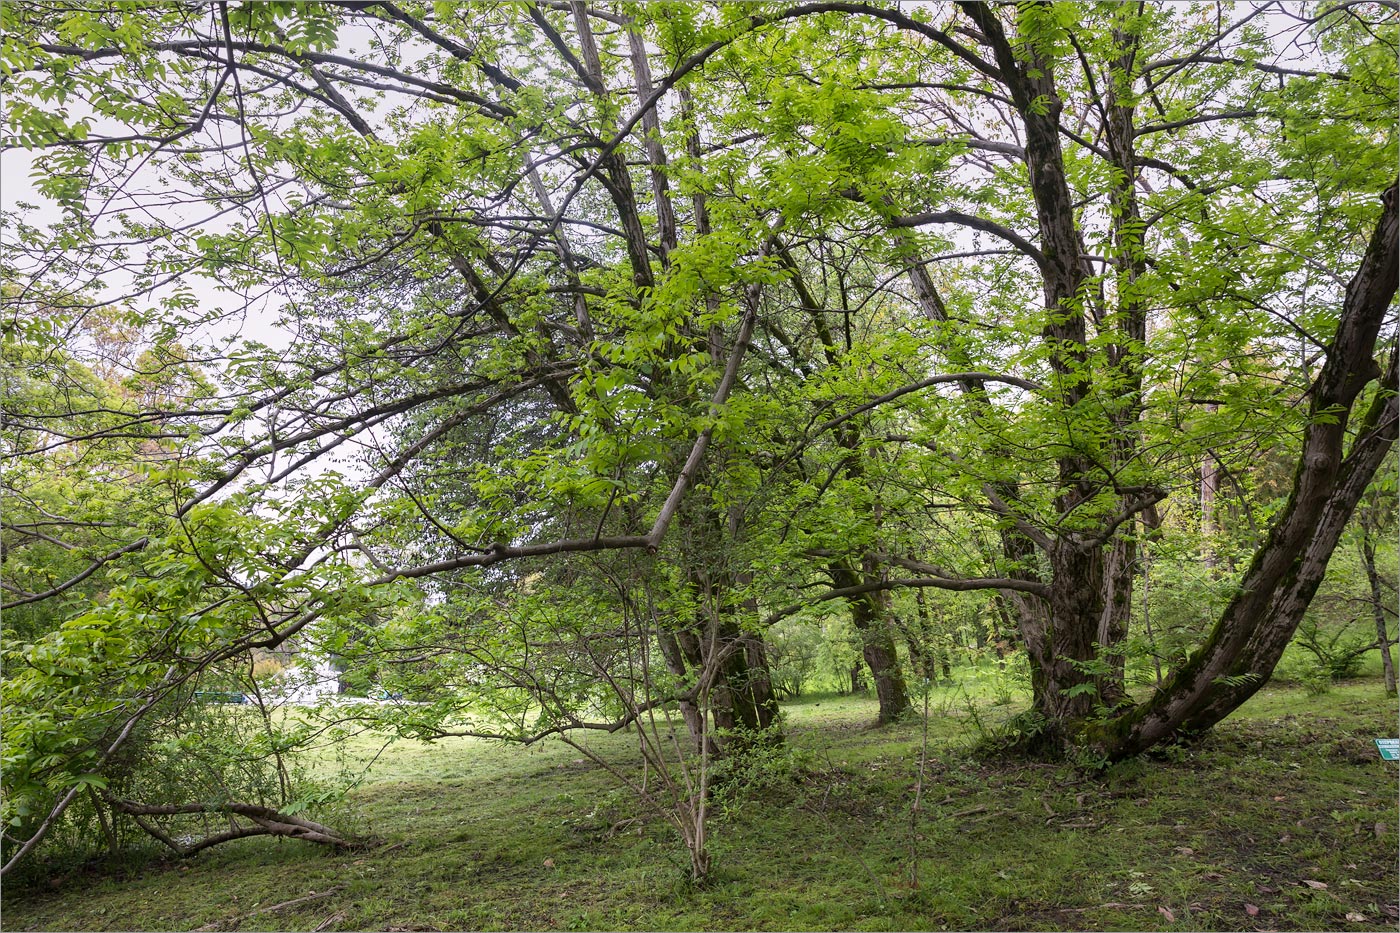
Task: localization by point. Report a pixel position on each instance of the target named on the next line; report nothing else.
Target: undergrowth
(1283, 818)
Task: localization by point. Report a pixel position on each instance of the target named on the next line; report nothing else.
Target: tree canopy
(536, 358)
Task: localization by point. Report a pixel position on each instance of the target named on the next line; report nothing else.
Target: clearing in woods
(1283, 818)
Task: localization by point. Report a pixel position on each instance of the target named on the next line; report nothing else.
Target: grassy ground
(1285, 818)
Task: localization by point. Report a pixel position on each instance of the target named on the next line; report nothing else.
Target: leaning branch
(973, 222)
(902, 391)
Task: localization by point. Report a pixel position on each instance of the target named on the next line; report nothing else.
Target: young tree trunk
(681, 650)
(1383, 642)
(1210, 490)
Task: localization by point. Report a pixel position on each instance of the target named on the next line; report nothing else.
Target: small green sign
(1389, 749)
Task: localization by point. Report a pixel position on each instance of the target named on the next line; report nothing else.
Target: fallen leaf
(549, 863)
(1213, 876)
(1281, 797)
(1356, 918)
(1251, 910)
(1284, 838)
(1166, 912)
(1316, 885)
(1185, 850)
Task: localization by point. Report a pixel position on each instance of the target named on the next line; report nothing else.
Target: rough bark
(1249, 637)
(1061, 643)
(681, 651)
(741, 700)
(1125, 355)
(870, 615)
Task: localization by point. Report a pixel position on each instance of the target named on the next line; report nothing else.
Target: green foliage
(794, 650)
(474, 334)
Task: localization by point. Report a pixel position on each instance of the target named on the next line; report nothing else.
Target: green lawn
(1285, 818)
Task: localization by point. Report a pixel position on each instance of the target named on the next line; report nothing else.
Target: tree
(1376, 514)
(801, 304)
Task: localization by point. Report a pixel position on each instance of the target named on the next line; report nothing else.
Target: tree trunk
(870, 616)
(1126, 355)
(1383, 642)
(1061, 636)
(1210, 490)
(261, 821)
(919, 657)
(681, 651)
(1076, 606)
(936, 651)
(1257, 624)
(1113, 624)
(743, 696)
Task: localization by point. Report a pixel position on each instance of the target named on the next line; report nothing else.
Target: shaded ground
(1284, 819)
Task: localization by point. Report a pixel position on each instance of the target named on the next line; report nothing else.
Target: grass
(1284, 818)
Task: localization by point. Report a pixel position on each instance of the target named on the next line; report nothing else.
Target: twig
(331, 921)
(208, 928)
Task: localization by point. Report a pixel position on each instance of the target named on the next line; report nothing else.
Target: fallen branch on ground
(235, 920)
(261, 821)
